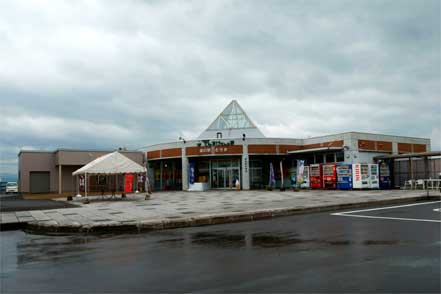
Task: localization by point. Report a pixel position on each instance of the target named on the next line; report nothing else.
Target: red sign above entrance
(213, 150)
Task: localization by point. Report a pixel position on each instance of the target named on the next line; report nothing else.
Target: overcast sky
(104, 74)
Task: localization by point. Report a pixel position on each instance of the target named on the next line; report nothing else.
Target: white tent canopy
(111, 164)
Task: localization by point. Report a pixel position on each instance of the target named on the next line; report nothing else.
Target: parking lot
(382, 249)
(417, 212)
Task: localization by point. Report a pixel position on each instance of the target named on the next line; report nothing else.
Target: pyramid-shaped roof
(112, 163)
(232, 122)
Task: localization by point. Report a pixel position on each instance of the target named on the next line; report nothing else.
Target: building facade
(233, 149)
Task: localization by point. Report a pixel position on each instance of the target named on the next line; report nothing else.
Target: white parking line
(349, 213)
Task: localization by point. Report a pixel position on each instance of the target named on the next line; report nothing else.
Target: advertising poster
(128, 183)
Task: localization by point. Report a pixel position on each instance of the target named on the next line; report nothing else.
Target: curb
(12, 226)
(146, 226)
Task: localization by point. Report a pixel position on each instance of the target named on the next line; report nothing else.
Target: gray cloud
(103, 74)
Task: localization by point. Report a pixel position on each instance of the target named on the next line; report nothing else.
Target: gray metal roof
(409, 155)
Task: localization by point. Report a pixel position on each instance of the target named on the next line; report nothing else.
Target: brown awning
(319, 149)
(409, 155)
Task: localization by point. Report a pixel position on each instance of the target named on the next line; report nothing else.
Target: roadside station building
(231, 149)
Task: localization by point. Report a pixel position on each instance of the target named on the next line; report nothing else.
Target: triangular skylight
(234, 120)
(232, 117)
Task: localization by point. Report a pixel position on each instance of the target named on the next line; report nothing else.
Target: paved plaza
(182, 209)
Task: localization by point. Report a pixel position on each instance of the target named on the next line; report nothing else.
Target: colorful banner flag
(272, 179)
(281, 174)
(191, 172)
(128, 183)
(300, 171)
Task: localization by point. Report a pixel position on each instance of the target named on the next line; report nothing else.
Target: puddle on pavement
(52, 248)
(172, 240)
(271, 241)
(380, 242)
(256, 240)
(218, 239)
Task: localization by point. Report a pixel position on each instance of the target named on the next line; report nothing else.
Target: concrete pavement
(183, 209)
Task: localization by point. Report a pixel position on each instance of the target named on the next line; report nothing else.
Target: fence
(420, 168)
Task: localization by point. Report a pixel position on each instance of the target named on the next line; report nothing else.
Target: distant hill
(8, 178)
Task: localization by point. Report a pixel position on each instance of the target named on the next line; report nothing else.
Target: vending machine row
(346, 176)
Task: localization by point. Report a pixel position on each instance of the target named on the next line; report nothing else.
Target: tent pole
(85, 185)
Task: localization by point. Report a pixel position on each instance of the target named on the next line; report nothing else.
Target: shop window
(339, 156)
(330, 157)
(219, 135)
(203, 171)
(319, 158)
(309, 159)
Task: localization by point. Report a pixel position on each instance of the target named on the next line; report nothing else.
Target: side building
(51, 171)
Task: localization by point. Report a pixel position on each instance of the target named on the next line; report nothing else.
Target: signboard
(213, 150)
(245, 164)
(208, 143)
(357, 172)
(128, 183)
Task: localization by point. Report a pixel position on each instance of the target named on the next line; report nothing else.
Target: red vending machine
(315, 176)
(329, 176)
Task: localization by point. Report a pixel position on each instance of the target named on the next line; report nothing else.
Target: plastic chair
(419, 183)
(408, 184)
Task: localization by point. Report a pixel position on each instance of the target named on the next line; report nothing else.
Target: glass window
(330, 157)
(309, 159)
(339, 156)
(319, 158)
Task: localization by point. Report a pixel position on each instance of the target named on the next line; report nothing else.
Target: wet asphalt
(15, 202)
(304, 253)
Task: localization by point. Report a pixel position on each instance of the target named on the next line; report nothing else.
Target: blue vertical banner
(300, 171)
(272, 178)
(191, 172)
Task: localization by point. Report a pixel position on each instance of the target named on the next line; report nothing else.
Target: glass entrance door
(224, 178)
(232, 175)
(224, 174)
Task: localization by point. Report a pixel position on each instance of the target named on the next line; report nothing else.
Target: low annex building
(232, 149)
(51, 171)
